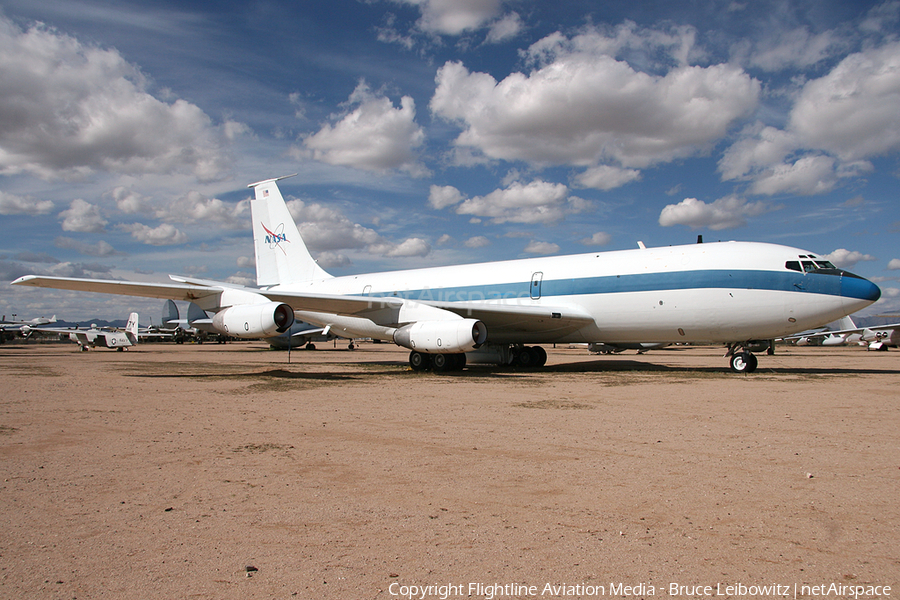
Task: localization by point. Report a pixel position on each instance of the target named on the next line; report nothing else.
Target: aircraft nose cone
(875, 292)
(854, 286)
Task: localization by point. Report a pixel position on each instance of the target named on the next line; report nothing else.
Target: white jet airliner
(737, 293)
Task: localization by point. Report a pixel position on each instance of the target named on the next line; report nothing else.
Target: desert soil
(168, 471)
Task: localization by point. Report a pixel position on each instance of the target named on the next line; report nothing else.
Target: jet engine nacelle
(254, 320)
(442, 337)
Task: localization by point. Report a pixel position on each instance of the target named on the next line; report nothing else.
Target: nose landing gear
(741, 357)
(744, 362)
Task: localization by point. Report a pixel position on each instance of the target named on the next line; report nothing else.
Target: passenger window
(793, 265)
(808, 266)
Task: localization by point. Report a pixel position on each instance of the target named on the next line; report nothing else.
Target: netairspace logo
(493, 591)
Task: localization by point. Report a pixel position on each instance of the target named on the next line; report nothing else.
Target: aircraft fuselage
(716, 292)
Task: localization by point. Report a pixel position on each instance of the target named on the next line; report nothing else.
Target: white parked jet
(874, 338)
(25, 327)
(737, 293)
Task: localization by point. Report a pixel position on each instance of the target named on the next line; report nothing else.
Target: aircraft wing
(330, 303)
(515, 318)
(173, 291)
(499, 318)
(306, 332)
(80, 334)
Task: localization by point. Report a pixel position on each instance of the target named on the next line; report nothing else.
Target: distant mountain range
(86, 324)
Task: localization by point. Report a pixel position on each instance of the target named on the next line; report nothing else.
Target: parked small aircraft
(25, 327)
(33, 322)
(97, 337)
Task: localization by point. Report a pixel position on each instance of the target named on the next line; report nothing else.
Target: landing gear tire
(525, 358)
(419, 361)
(459, 361)
(743, 362)
(441, 362)
(310, 346)
(530, 357)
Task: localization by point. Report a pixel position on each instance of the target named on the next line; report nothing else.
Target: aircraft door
(536, 280)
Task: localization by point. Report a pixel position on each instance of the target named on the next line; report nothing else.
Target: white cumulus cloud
(582, 106)
(440, 197)
(536, 247)
(606, 177)
(601, 238)
(846, 259)
(478, 241)
(164, 235)
(374, 136)
(10, 204)
(82, 216)
(326, 231)
(195, 207)
(837, 124)
(453, 17)
(852, 111)
(725, 213)
(536, 202)
(68, 108)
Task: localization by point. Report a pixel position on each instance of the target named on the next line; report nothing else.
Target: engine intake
(442, 337)
(254, 320)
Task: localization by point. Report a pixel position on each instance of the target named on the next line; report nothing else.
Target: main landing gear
(420, 361)
(515, 355)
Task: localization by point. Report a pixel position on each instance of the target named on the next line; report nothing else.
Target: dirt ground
(168, 471)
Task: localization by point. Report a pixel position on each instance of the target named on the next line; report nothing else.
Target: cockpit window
(809, 266)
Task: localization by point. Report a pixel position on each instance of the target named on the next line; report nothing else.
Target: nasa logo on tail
(274, 238)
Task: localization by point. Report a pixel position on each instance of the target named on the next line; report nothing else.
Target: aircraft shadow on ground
(270, 374)
(397, 368)
(622, 366)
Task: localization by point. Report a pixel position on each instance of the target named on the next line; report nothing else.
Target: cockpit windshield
(808, 264)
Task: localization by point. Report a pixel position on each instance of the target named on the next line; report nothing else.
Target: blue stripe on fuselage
(815, 283)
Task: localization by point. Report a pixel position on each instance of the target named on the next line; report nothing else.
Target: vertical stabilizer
(197, 317)
(281, 255)
(170, 314)
(131, 329)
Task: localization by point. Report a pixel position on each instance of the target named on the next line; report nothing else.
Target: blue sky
(428, 132)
